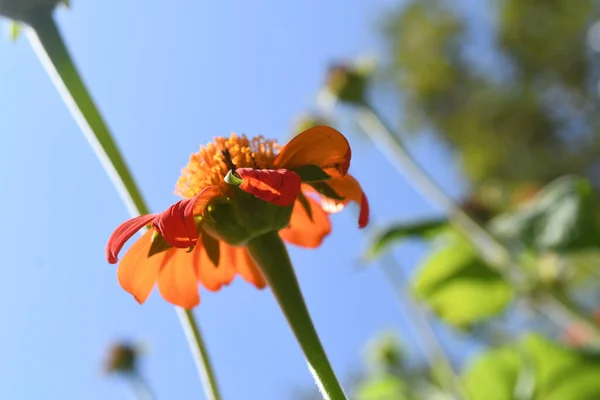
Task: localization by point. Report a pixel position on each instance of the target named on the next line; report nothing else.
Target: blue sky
(168, 76)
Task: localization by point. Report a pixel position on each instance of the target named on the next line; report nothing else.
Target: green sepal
(211, 245)
(312, 173)
(159, 244)
(305, 204)
(326, 190)
(233, 179)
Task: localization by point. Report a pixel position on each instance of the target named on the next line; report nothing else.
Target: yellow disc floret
(209, 166)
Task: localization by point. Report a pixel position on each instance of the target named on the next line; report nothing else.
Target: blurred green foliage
(517, 100)
(563, 218)
(459, 286)
(534, 368)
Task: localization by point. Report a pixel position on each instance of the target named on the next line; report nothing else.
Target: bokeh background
(495, 99)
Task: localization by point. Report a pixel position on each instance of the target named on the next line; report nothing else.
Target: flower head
(235, 189)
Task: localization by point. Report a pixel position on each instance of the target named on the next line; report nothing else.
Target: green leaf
(395, 233)
(326, 190)
(536, 369)
(211, 245)
(382, 388)
(460, 287)
(562, 217)
(563, 373)
(493, 375)
(159, 244)
(312, 173)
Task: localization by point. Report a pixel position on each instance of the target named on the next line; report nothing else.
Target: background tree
(523, 111)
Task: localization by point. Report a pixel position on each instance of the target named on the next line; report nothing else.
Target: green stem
(201, 357)
(419, 323)
(391, 145)
(50, 48)
(270, 254)
(140, 387)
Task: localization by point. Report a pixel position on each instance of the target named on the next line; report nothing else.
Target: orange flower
(308, 176)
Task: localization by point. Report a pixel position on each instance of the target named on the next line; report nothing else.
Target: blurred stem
(561, 302)
(271, 256)
(141, 388)
(397, 153)
(490, 249)
(201, 357)
(421, 328)
(47, 42)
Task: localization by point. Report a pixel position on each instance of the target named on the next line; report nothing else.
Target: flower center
(209, 166)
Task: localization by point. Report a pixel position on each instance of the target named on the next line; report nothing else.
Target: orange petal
(123, 233)
(322, 146)
(211, 276)
(137, 273)
(177, 281)
(350, 189)
(280, 187)
(304, 231)
(246, 267)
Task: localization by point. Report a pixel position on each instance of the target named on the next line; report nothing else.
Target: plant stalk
(271, 256)
(49, 46)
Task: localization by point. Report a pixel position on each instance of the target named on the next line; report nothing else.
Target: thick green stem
(50, 48)
(270, 254)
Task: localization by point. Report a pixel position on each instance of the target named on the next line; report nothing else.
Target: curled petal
(137, 273)
(322, 146)
(350, 189)
(176, 224)
(307, 230)
(123, 233)
(203, 198)
(280, 187)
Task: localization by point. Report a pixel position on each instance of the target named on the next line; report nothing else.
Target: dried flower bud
(348, 84)
(122, 358)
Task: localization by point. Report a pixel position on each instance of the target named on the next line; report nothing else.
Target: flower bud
(385, 354)
(122, 358)
(348, 84)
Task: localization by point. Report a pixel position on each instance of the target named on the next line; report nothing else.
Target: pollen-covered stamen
(210, 165)
(227, 159)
